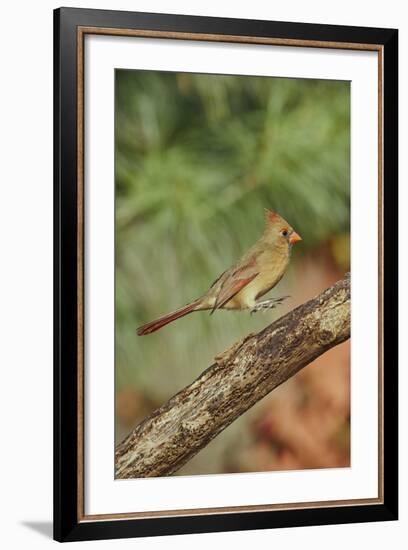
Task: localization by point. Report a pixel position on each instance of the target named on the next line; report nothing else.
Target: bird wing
(235, 281)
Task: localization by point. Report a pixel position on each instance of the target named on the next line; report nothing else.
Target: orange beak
(294, 238)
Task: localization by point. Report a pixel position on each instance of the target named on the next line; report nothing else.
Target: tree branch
(238, 379)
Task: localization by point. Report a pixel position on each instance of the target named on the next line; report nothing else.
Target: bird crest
(271, 216)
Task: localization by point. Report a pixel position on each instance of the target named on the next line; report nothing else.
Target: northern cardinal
(239, 287)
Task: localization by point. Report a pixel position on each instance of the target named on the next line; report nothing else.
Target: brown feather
(227, 293)
(148, 328)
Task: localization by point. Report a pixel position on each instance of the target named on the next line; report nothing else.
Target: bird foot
(268, 304)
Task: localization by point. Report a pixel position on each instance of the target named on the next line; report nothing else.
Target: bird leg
(268, 304)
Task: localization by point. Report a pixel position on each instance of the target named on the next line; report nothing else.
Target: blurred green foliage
(198, 158)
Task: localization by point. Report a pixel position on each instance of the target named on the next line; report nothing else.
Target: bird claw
(268, 304)
(280, 300)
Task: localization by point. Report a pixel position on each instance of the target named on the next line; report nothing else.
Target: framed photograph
(225, 274)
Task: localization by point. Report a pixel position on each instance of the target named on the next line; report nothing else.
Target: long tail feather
(148, 328)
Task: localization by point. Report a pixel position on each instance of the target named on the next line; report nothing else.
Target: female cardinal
(239, 287)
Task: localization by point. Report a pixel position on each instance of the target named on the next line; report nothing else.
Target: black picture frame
(67, 523)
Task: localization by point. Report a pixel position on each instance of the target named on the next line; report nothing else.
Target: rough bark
(238, 379)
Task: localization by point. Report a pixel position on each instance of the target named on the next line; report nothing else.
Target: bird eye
(284, 232)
